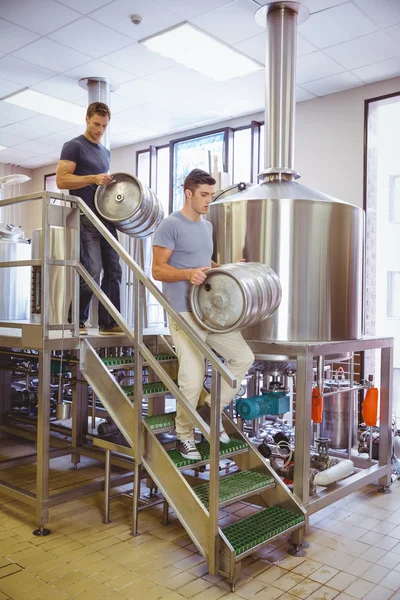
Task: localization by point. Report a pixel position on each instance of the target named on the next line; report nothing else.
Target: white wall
(329, 142)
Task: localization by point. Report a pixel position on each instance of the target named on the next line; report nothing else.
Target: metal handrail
(153, 289)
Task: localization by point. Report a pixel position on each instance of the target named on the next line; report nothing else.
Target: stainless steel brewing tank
(62, 246)
(14, 281)
(313, 242)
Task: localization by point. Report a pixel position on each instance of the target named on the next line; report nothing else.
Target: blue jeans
(97, 255)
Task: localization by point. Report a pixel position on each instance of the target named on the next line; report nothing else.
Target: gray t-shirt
(90, 159)
(192, 245)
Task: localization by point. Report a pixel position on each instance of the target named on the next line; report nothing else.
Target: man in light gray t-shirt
(182, 251)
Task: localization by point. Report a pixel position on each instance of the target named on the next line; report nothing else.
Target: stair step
(120, 362)
(235, 446)
(149, 389)
(246, 534)
(235, 487)
(161, 423)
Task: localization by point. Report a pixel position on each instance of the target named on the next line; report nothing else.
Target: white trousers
(231, 346)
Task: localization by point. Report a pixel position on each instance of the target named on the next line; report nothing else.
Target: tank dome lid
(10, 232)
(279, 190)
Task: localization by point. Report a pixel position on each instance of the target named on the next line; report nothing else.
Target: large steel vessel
(14, 281)
(312, 241)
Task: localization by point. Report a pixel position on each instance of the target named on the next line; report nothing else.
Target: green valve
(204, 449)
(260, 527)
(233, 486)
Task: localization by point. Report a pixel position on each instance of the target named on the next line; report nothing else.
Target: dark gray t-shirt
(192, 245)
(90, 159)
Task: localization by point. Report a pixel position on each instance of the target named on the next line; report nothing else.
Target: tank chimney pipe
(99, 90)
(280, 20)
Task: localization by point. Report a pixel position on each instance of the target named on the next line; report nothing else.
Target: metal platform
(29, 335)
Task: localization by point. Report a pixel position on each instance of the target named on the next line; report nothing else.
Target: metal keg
(130, 205)
(14, 281)
(62, 246)
(235, 296)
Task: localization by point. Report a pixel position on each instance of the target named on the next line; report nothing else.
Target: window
(143, 166)
(261, 164)
(162, 185)
(50, 183)
(393, 295)
(199, 152)
(394, 198)
(382, 203)
(242, 155)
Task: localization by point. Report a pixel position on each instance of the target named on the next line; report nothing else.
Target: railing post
(76, 282)
(214, 471)
(137, 400)
(44, 256)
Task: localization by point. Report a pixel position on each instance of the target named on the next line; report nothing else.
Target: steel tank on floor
(62, 246)
(14, 281)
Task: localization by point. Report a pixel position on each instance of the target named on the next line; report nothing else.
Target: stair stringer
(108, 390)
(193, 516)
(252, 460)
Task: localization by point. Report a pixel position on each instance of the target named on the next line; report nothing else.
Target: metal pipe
(99, 90)
(280, 19)
(107, 478)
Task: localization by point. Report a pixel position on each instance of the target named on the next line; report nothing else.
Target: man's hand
(241, 260)
(197, 276)
(102, 179)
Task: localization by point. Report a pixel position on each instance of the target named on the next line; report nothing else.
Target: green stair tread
(118, 361)
(233, 486)
(155, 422)
(260, 527)
(148, 388)
(204, 449)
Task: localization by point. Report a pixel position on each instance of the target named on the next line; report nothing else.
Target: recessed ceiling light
(3, 148)
(47, 105)
(197, 50)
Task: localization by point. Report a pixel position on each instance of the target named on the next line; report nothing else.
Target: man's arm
(66, 180)
(162, 271)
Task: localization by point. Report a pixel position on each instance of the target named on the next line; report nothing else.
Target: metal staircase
(196, 500)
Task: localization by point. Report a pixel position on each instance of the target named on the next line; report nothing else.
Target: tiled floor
(354, 552)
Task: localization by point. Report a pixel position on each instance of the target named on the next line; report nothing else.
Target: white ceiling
(48, 45)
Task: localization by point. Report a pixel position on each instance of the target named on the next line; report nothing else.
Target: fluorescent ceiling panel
(47, 105)
(198, 51)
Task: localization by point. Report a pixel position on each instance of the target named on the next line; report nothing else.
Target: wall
(329, 142)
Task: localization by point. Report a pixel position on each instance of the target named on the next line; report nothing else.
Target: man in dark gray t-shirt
(83, 166)
(182, 251)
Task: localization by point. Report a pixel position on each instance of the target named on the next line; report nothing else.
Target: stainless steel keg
(14, 281)
(130, 205)
(235, 296)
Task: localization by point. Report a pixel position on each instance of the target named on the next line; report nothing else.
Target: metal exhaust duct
(311, 240)
(99, 90)
(280, 19)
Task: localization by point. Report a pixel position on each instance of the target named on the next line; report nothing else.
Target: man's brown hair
(98, 108)
(197, 177)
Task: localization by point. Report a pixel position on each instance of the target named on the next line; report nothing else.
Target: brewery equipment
(62, 245)
(14, 281)
(311, 240)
